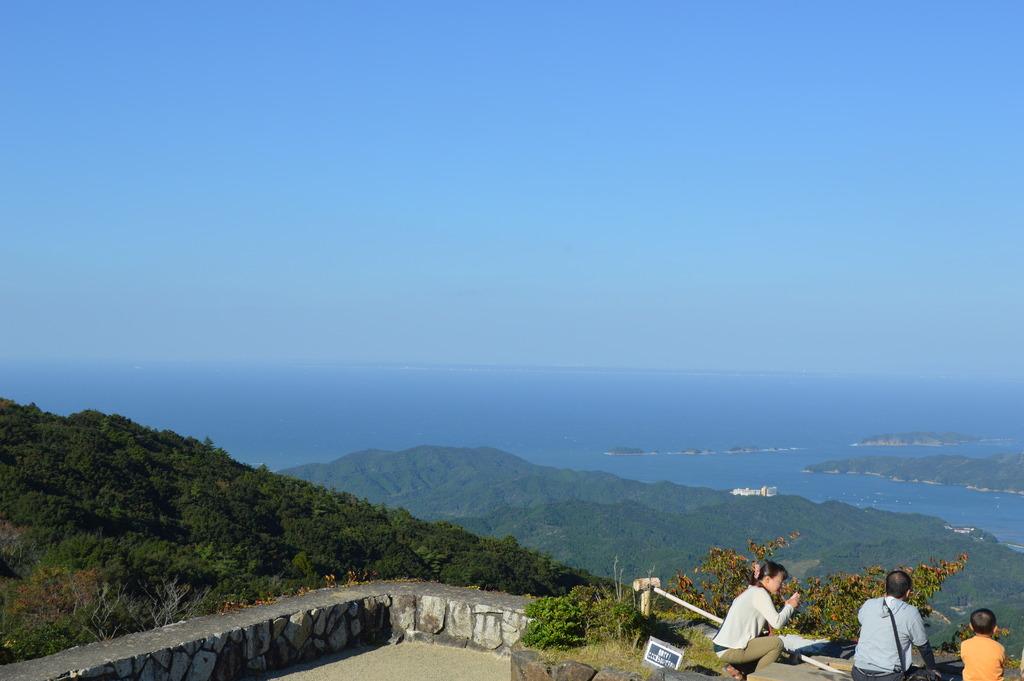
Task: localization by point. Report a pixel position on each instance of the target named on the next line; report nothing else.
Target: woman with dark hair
(739, 642)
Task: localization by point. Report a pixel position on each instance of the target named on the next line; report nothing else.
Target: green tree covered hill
(1001, 472)
(99, 512)
(452, 482)
(588, 519)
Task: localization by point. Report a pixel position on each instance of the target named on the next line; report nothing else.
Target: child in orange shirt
(984, 658)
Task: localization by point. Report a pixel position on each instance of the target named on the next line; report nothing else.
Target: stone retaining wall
(253, 640)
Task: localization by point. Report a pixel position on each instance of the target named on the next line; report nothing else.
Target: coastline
(894, 478)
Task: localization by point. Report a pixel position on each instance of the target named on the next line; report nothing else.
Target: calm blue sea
(286, 415)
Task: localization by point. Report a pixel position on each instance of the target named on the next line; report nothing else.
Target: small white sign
(661, 654)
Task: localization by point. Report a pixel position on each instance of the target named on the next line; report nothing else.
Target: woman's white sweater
(747, 616)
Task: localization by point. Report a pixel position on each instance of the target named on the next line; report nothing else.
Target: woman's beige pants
(759, 653)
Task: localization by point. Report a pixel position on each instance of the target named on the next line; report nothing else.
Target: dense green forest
(588, 519)
(452, 482)
(107, 527)
(1002, 472)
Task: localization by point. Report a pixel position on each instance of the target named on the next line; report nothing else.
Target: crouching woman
(739, 642)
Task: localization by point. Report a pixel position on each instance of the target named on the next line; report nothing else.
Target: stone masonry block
(339, 637)
(257, 639)
(403, 612)
(202, 666)
(179, 665)
(258, 664)
(444, 639)
(415, 636)
(521, 658)
(298, 629)
(153, 672)
(487, 630)
(512, 626)
(356, 626)
(480, 609)
(95, 672)
(460, 620)
(123, 668)
(430, 613)
(609, 674)
(573, 671)
(277, 627)
(318, 622)
(216, 642)
(330, 619)
(230, 662)
(163, 657)
(279, 654)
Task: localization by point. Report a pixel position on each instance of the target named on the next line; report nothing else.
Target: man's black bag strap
(895, 635)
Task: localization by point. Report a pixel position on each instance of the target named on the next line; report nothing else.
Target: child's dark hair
(768, 569)
(983, 621)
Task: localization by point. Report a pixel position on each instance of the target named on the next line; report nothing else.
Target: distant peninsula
(916, 439)
(695, 451)
(998, 473)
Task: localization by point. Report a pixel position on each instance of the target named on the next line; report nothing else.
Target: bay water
(288, 414)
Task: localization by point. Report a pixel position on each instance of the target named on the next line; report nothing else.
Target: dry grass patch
(599, 655)
(698, 655)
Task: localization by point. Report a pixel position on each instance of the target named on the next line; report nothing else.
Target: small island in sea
(916, 439)
(693, 451)
(999, 473)
(629, 451)
(755, 450)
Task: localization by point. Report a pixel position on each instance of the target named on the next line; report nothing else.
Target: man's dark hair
(897, 584)
(983, 621)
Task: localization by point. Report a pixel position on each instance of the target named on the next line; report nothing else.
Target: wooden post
(646, 586)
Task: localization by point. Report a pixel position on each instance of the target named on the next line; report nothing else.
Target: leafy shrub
(608, 618)
(557, 622)
(585, 615)
(722, 575)
(36, 641)
(831, 604)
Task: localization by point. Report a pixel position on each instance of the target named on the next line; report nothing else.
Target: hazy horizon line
(397, 365)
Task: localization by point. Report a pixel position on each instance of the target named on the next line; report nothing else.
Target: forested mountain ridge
(664, 527)
(454, 482)
(1000, 473)
(96, 499)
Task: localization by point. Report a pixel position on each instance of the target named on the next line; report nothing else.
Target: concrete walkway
(801, 672)
(403, 662)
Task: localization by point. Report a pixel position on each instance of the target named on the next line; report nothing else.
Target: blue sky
(726, 186)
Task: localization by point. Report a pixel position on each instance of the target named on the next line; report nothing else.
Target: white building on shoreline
(762, 491)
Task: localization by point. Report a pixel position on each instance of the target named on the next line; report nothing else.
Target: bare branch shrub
(168, 602)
